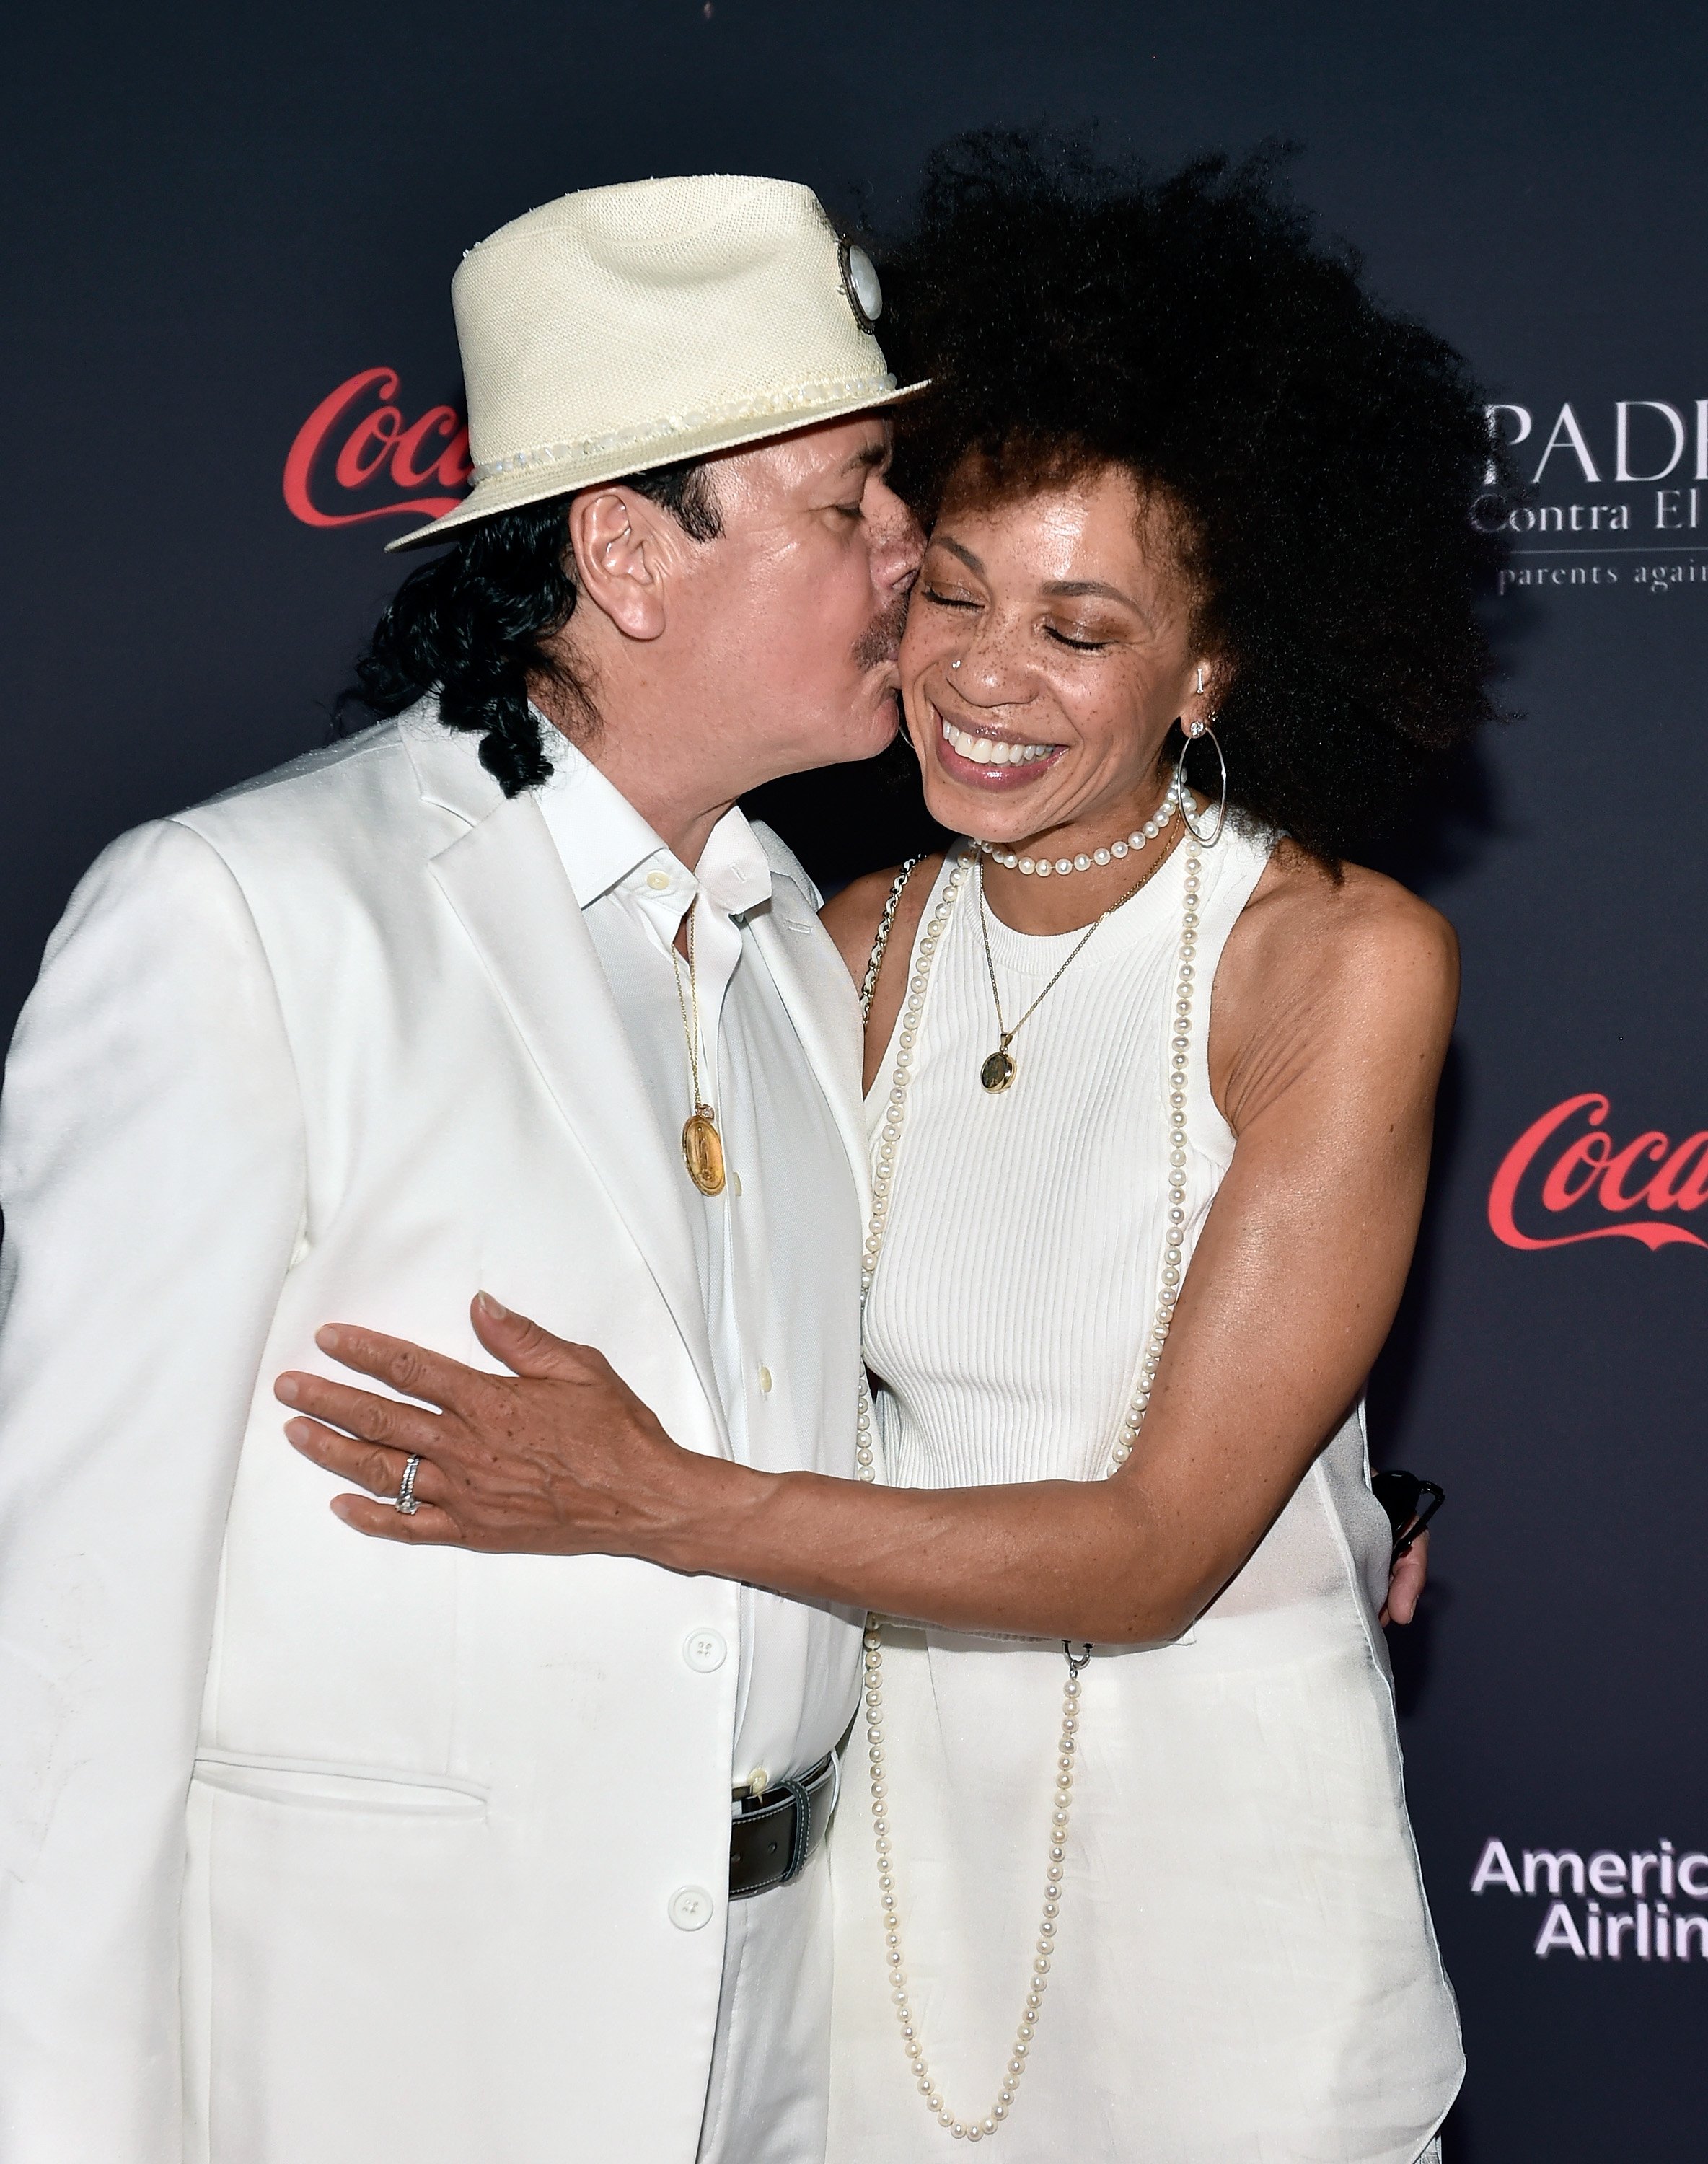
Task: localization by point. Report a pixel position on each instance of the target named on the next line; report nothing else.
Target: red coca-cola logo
(1567, 1161)
(356, 442)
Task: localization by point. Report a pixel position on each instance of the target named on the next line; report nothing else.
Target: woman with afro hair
(1151, 1069)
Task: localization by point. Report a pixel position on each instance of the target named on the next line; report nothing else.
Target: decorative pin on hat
(859, 281)
(626, 328)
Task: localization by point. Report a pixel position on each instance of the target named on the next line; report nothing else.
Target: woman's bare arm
(1333, 1005)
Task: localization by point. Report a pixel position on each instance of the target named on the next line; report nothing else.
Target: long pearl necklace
(976, 2128)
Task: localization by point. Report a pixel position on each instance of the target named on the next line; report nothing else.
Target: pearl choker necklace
(1041, 867)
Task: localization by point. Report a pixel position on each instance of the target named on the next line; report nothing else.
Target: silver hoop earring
(1205, 840)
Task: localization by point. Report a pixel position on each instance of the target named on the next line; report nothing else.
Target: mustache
(882, 639)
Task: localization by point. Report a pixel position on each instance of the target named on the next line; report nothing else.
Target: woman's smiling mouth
(969, 755)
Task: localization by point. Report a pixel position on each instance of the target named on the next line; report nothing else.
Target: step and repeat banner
(233, 378)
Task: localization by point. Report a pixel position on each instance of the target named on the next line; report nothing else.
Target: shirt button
(658, 881)
(735, 1183)
(704, 1651)
(765, 1380)
(690, 1907)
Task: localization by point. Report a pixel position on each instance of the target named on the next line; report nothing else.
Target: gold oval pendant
(996, 1073)
(702, 1152)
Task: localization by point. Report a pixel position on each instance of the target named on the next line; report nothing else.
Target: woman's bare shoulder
(851, 916)
(1321, 967)
(1303, 919)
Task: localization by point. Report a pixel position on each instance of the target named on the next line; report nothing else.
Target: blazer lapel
(506, 881)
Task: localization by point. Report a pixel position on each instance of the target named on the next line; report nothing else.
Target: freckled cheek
(1113, 727)
(1104, 744)
(928, 638)
(912, 668)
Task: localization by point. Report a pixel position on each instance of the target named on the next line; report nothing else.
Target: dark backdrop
(218, 217)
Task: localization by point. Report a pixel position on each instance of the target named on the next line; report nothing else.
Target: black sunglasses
(1409, 1503)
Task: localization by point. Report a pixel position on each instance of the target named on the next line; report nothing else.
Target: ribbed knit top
(1020, 1265)
(1245, 1968)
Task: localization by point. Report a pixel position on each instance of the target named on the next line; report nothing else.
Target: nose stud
(955, 663)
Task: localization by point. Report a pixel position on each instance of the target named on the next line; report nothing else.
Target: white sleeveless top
(1246, 1971)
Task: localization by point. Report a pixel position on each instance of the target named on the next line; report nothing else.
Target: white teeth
(994, 751)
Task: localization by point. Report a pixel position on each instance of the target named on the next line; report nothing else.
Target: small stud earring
(1200, 679)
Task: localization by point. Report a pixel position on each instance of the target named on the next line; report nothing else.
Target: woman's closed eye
(1080, 645)
(947, 601)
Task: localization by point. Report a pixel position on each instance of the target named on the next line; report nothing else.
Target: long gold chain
(702, 1145)
(976, 2129)
(691, 1026)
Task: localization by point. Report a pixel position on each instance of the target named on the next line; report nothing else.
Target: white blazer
(314, 1850)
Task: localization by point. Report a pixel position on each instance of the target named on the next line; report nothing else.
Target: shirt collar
(606, 846)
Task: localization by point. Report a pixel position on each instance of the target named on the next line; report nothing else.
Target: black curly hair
(1317, 454)
(471, 625)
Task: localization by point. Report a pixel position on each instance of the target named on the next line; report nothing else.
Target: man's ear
(623, 559)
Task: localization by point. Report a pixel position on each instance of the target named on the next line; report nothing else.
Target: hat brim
(534, 483)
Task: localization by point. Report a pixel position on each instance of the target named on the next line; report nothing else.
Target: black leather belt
(774, 1837)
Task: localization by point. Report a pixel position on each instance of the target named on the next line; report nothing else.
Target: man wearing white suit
(316, 1851)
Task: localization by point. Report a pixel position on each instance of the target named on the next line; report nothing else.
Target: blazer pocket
(311, 1785)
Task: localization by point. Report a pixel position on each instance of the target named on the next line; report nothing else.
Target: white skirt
(1245, 1972)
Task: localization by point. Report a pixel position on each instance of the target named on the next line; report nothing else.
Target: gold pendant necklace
(997, 1070)
(702, 1145)
(702, 1150)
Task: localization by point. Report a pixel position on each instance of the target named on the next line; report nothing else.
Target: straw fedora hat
(625, 328)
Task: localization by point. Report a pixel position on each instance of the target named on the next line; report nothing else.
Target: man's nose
(901, 545)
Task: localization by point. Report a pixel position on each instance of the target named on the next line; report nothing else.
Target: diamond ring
(406, 1504)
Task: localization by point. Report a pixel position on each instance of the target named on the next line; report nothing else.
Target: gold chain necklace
(975, 2128)
(702, 1145)
(998, 1070)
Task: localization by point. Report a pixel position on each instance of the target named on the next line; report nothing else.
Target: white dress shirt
(774, 1248)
